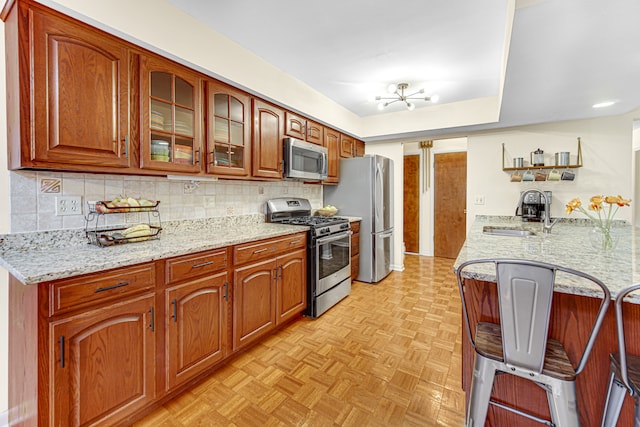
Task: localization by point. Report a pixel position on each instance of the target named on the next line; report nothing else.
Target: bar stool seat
(624, 377)
(520, 344)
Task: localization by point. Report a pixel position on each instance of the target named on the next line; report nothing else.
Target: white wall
(394, 151)
(607, 162)
(636, 172)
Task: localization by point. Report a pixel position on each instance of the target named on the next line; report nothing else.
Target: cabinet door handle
(226, 291)
(126, 145)
(275, 274)
(174, 316)
(257, 251)
(108, 288)
(280, 272)
(202, 264)
(199, 155)
(152, 324)
(294, 242)
(61, 342)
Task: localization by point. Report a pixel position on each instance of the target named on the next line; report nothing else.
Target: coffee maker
(532, 206)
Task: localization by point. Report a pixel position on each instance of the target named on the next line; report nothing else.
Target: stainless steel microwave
(303, 160)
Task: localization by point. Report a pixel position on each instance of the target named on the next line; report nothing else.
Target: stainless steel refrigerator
(366, 190)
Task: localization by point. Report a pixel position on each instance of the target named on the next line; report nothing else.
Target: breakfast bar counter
(573, 309)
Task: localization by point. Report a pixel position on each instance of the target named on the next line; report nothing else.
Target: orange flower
(623, 202)
(612, 200)
(573, 205)
(595, 203)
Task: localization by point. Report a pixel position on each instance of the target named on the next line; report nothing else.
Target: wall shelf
(530, 167)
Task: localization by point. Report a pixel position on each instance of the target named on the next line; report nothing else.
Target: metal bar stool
(520, 345)
(625, 372)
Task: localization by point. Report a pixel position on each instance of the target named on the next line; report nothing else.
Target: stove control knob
(325, 230)
(344, 226)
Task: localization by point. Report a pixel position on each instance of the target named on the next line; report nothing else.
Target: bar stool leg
(613, 404)
(481, 386)
(563, 403)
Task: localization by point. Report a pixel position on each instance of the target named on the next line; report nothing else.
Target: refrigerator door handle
(384, 233)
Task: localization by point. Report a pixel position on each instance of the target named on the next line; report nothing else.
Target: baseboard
(396, 267)
(4, 419)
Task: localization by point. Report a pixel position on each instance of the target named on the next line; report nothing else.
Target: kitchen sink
(507, 231)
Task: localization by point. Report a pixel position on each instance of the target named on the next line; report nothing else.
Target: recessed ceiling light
(603, 104)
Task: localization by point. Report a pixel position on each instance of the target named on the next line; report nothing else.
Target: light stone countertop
(37, 257)
(568, 245)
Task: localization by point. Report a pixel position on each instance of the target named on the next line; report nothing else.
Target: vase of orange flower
(604, 236)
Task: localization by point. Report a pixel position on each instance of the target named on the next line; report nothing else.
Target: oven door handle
(334, 237)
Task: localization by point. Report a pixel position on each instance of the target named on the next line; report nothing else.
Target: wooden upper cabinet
(268, 131)
(295, 126)
(332, 143)
(359, 148)
(315, 132)
(303, 129)
(228, 130)
(170, 115)
(77, 81)
(346, 146)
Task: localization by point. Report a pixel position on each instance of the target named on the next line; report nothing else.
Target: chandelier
(398, 94)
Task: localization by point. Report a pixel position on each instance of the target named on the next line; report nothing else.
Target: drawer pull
(260, 250)
(202, 264)
(294, 242)
(226, 291)
(108, 288)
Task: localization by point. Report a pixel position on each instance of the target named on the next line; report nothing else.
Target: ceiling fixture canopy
(398, 94)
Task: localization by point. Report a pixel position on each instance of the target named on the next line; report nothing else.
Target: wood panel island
(573, 309)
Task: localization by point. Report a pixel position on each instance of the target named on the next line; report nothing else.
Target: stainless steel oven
(333, 258)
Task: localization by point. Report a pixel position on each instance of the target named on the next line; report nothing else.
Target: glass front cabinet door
(228, 130)
(171, 132)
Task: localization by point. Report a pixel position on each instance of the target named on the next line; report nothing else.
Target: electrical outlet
(68, 205)
(479, 200)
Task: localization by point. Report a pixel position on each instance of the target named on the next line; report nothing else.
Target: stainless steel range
(328, 252)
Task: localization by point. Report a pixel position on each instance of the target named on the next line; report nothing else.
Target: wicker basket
(326, 212)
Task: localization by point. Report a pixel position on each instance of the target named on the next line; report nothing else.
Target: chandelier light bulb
(392, 88)
(411, 106)
(381, 106)
(434, 98)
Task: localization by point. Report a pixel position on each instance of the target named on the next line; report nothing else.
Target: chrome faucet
(548, 224)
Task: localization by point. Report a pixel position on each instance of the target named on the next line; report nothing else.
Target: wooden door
(103, 363)
(268, 129)
(450, 202)
(196, 320)
(292, 285)
(359, 148)
(80, 95)
(254, 302)
(411, 227)
(332, 143)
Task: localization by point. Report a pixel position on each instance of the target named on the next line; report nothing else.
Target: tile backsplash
(33, 196)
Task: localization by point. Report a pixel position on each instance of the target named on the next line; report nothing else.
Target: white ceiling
(564, 55)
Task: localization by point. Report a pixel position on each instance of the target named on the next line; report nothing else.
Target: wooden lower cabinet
(254, 302)
(355, 249)
(270, 289)
(196, 326)
(105, 348)
(102, 363)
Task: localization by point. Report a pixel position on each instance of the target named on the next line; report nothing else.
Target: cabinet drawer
(355, 244)
(75, 293)
(189, 266)
(266, 248)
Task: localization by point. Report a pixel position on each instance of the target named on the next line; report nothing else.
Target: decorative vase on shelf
(604, 239)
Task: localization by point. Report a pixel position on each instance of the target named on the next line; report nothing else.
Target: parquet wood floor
(388, 355)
